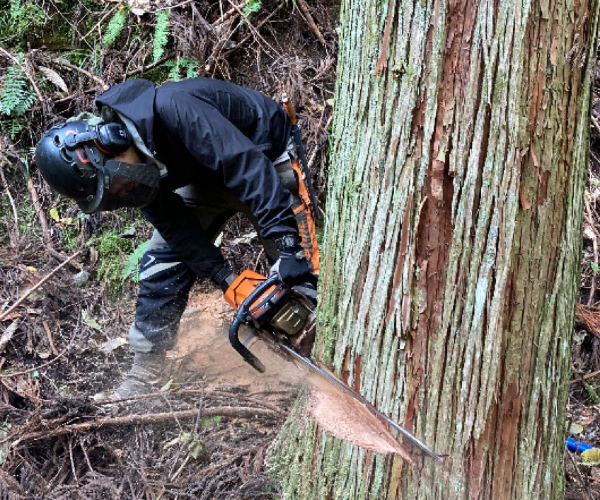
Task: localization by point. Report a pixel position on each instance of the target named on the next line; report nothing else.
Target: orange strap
(306, 228)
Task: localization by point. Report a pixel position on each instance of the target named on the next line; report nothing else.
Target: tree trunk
(452, 245)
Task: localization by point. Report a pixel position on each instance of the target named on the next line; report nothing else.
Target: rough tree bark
(452, 247)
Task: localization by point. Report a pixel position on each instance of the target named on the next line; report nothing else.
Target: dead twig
(73, 27)
(595, 236)
(50, 339)
(258, 26)
(596, 124)
(229, 14)
(99, 23)
(193, 392)
(311, 22)
(38, 285)
(585, 488)
(585, 377)
(37, 206)
(255, 32)
(34, 197)
(67, 64)
(170, 55)
(149, 418)
(38, 368)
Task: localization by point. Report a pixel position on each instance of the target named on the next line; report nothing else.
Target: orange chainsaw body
(281, 311)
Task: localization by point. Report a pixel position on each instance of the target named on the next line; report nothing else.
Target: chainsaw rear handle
(244, 316)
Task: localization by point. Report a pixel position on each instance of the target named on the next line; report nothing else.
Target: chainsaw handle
(243, 351)
(243, 316)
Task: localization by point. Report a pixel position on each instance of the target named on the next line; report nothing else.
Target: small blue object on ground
(578, 446)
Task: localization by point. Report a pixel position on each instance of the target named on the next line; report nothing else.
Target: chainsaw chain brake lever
(243, 316)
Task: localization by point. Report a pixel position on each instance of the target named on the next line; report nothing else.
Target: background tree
(453, 238)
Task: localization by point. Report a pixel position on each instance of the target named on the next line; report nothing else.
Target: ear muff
(113, 138)
(110, 138)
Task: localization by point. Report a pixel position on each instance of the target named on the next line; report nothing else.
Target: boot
(143, 377)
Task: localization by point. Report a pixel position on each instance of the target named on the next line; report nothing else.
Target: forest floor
(204, 436)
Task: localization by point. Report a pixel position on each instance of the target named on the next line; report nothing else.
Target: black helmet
(75, 159)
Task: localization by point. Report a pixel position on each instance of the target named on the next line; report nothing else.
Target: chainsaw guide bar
(285, 320)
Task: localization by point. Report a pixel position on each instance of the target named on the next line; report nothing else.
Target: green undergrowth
(118, 261)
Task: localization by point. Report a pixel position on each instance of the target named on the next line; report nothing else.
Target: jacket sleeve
(218, 145)
(183, 233)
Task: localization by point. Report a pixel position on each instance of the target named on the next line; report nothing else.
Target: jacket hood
(134, 100)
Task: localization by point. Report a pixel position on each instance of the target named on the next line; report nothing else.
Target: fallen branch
(151, 418)
(191, 392)
(38, 285)
(582, 378)
(311, 22)
(67, 64)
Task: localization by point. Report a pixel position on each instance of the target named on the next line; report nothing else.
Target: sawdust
(203, 352)
(203, 349)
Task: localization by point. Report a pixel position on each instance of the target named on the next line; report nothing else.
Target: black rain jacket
(208, 131)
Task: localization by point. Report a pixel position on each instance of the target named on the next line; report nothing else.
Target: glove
(292, 265)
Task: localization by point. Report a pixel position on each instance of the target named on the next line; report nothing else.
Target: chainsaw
(285, 318)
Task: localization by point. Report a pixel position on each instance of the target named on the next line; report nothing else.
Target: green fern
(251, 8)
(161, 34)
(16, 96)
(115, 26)
(189, 66)
(12, 125)
(174, 72)
(132, 264)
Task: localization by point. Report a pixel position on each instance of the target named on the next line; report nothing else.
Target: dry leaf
(112, 344)
(575, 428)
(55, 78)
(590, 457)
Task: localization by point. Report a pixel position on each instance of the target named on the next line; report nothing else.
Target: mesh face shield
(122, 185)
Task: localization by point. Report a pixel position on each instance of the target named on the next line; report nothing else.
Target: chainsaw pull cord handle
(243, 316)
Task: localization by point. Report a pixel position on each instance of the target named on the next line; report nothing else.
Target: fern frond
(115, 26)
(132, 264)
(190, 66)
(174, 72)
(17, 96)
(11, 126)
(251, 8)
(161, 34)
